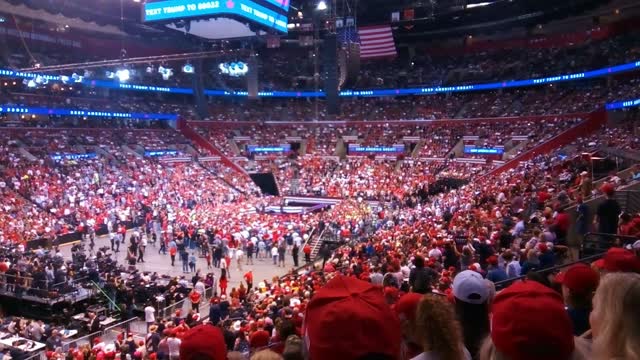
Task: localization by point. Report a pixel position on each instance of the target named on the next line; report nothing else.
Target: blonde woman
(615, 319)
(439, 332)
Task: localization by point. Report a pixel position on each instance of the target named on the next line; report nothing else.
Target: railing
(86, 338)
(316, 246)
(123, 325)
(40, 355)
(596, 243)
(184, 305)
(502, 284)
(629, 200)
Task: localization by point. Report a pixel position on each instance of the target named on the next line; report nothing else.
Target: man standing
(295, 251)
(307, 253)
(608, 212)
(94, 326)
(248, 277)
(282, 250)
(149, 315)
(174, 346)
(112, 238)
(184, 256)
(172, 253)
(239, 257)
(195, 297)
(274, 254)
(250, 249)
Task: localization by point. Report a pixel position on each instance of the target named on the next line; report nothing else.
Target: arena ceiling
(429, 16)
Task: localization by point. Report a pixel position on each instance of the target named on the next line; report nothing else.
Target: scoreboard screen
(248, 9)
(280, 4)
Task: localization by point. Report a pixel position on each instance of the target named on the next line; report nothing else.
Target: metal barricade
(596, 243)
(86, 339)
(40, 355)
(182, 305)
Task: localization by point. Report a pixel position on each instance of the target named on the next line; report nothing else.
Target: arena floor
(154, 262)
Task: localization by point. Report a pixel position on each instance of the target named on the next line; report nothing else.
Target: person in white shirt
(274, 254)
(239, 257)
(149, 315)
(174, 347)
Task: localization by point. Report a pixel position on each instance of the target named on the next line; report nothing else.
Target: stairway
(416, 150)
(198, 139)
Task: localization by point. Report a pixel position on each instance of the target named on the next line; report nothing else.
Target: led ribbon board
(623, 104)
(347, 93)
(482, 151)
(10, 109)
(358, 149)
(155, 153)
(181, 9)
(265, 149)
(59, 157)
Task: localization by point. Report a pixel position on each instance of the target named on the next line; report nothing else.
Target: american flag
(375, 41)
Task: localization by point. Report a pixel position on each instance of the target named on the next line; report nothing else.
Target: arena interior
(319, 180)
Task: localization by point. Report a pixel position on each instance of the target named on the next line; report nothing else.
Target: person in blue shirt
(546, 256)
(495, 272)
(579, 283)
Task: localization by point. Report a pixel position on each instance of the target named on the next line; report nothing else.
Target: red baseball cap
(203, 342)
(407, 306)
(349, 318)
(621, 260)
(530, 323)
(579, 278)
(259, 339)
(608, 189)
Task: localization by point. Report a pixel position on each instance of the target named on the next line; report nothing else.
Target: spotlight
(322, 5)
(123, 75)
(188, 69)
(76, 78)
(165, 72)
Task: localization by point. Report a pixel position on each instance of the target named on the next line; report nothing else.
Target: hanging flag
(408, 15)
(273, 41)
(376, 41)
(395, 16)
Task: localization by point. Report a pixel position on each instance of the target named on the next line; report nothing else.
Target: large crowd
(430, 252)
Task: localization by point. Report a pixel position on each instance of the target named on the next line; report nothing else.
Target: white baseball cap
(470, 287)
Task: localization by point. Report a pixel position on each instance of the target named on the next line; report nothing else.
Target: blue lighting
(10, 109)
(355, 148)
(58, 157)
(346, 93)
(154, 153)
(468, 149)
(623, 104)
(262, 149)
